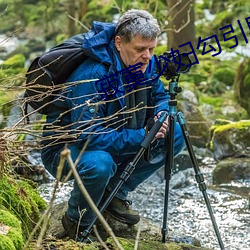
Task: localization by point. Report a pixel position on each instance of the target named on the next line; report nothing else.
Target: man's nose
(146, 54)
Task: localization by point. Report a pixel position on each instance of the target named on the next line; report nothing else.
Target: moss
(238, 128)
(128, 244)
(16, 61)
(66, 245)
(214, 101)
(22, 200)
(9, 219)
(13, 71)
(235, 125)
(13, 239)
(220, 102)
(16, 237)
(6, 243)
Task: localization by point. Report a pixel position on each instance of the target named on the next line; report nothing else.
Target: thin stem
(66, 154)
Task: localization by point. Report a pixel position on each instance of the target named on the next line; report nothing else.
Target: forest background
(220, 77)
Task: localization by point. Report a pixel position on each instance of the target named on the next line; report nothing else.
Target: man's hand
(164, 128)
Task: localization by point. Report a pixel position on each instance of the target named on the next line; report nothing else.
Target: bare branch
(77, 21)
(66, 154)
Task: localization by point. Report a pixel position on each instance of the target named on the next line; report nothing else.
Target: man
(109, 117)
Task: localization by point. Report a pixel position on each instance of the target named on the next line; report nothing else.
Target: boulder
(230, 140)
(231, 169)
(230, 143)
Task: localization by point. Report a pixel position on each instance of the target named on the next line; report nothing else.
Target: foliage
(17, 60)
(12, 70)
(49, 20)
(242, 84)
(218, 106)
(221, 14)
(212, 75)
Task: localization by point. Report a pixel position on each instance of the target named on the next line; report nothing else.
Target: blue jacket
(89, 117)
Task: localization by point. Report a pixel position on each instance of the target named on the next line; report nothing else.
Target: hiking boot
(75, 231)
(121, 211)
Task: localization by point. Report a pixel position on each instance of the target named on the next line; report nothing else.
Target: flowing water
(187, 212)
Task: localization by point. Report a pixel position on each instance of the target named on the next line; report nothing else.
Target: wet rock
(31, 167)
(181, 179)
(231, 169)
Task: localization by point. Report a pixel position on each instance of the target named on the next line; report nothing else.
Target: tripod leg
(168, 173)
(199, 176)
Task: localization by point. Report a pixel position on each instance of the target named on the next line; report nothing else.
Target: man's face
(136, 51)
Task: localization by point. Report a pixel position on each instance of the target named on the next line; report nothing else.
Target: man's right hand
(164, 128)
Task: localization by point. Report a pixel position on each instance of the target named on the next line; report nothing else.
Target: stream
(187, 212)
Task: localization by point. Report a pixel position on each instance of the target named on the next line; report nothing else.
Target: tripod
(169, 163)
(173, 90)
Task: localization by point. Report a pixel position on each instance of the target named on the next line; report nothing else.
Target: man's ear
(118, 42)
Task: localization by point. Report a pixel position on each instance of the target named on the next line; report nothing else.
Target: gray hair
(137, 22)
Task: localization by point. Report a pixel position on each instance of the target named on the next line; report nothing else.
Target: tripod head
(172, 64)
(174, 89)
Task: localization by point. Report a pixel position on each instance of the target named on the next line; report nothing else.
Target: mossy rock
(231, 139)
(11, 237)
(212, 75)
(21, 199)
(150, 235)
(13, 70)
(128, 244)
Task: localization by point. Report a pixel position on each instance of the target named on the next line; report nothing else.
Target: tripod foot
(164, 232)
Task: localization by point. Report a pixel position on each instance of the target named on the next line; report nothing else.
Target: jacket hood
(98, 43)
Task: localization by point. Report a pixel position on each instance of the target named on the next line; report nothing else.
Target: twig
(77, 21)
(66, 154)
(137, 236)
(99, 238)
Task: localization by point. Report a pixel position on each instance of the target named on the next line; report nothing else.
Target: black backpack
(47, 74)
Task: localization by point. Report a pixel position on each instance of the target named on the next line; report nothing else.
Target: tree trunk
(71, 6)
(83, 7)
(181, 24)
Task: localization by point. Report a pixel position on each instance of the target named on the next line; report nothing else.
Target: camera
(172, 64)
